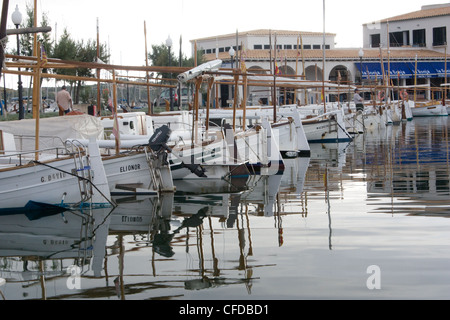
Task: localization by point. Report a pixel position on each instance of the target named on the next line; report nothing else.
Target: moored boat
(428, 109)
(66, 179)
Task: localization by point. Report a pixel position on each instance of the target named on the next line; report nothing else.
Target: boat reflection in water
(414, 175)
(40, 251)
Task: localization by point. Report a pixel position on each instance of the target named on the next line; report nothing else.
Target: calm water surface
(360, 220)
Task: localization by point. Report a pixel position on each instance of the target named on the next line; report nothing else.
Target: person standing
(359, 102)
(64, 101)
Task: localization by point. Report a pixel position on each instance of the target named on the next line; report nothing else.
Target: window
(327, 47)
(419, 38)
(316, 46)
(257, 46)
(375, 40)
(267, 46)
(307, 46)
(287, 46)
(398, 39)
(439, 36)
(221, 49)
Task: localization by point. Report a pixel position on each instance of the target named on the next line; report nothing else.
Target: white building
(420, 35)
(425, 28)
(262, 39)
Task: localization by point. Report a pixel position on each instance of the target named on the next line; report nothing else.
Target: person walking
(64, 101)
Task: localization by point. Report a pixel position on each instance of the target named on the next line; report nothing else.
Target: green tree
(160, 57)
(87, 52)
(83, 51)
(27, 40)
(66, 49)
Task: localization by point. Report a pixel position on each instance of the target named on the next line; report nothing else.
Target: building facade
(425, 28)
(416, 53)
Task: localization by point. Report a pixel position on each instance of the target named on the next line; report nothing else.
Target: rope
(74, 175)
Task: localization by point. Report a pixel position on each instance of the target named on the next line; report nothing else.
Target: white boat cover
(65, 127)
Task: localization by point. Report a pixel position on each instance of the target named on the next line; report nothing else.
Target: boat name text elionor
(131, 167)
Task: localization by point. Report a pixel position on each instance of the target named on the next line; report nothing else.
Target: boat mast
(3, 33)
(415, 81)
(323, 63)
(98, 70)
(147, 75)
(274, 97)
(444, 93)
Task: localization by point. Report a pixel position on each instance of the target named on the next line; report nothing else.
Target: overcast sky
(121, 23)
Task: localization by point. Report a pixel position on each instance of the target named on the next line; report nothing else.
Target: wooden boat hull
(429, 111)
(52, 183)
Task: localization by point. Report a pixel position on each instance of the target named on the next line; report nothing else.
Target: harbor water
(367, 219)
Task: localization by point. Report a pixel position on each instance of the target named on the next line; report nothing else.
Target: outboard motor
(159, 139)
(158, 143)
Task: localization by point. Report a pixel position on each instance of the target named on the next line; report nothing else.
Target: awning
(404, 70)
(440, 69)
(424, 70)
(398, 70)
(370, 70)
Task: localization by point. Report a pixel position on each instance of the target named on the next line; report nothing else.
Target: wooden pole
(115, 106)
(275, 82)
(296, 66)
(323, 63)
(35, 103)
(285, 70)
(3, 32)
(244, 103)
(198, 83)
(99, 102)
(445, 66)
(217, 95)
(36, 100)
(303, 66)
(35, 26)
(270, 52)
(195, 53)
(10, 32)
(236, 79)
(208, 102)
(415, 81)
(149, 103)
(388, 95)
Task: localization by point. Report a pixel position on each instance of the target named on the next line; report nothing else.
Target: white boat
(204, 158)
(428, 109)
(195, 153)
(357, 122)
(320, 126)
(64, 179)
(288, 129)
(135, 169)
(219, 151)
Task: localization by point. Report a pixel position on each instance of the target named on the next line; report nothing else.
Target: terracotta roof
(265, 32)
(339, 54)
(425, 12)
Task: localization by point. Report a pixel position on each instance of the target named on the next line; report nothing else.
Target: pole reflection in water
(309, 233)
